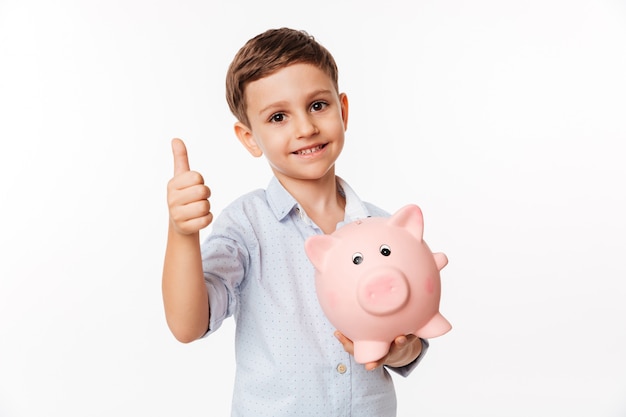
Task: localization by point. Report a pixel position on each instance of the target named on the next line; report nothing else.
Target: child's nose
(306, 127)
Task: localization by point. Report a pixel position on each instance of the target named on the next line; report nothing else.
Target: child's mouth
(309, 151)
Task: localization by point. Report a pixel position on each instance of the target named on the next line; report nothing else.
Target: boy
(282, 87)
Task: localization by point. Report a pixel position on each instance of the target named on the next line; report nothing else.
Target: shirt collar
(282, 203)
(279, 199)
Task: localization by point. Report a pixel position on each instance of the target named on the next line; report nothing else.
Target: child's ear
(244, 134)
(343, 98)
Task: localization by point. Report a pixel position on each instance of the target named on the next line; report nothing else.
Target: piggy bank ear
(410, 218)
(441, 260)
(317, 249)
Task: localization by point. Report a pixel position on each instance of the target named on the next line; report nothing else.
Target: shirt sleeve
(224, 265)
(407, 369)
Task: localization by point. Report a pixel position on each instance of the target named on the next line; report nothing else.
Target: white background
(505, 121)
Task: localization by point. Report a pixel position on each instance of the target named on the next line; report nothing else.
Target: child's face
(297, 120)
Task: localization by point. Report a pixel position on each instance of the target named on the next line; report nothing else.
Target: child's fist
(187, 196)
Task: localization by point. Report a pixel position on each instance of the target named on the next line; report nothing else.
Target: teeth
(310, 150)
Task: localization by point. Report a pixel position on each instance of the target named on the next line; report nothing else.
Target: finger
(196, 224)
(181, 160)
(182, 191)
(344, 340)
(187, 187)
(348, 346)
(400, 341)
(370, 366)
(197, 209)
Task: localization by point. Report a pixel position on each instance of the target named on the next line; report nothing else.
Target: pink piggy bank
(376, 279)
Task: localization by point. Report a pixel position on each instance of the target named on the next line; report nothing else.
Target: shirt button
(341, 368)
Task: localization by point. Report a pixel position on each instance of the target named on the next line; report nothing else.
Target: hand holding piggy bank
(376, 279)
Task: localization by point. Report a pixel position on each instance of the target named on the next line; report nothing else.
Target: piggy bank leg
(437, 326)
(370, 350)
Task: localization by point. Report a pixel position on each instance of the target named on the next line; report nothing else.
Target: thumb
(181, 161)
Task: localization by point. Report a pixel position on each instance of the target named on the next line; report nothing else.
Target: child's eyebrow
(319, 92)
(276, 105)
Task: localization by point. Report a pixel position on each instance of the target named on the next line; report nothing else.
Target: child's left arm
(403, 350)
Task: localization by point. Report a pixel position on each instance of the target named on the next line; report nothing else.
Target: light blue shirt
(289, 363)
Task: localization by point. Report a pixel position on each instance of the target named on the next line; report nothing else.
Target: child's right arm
(185, 296)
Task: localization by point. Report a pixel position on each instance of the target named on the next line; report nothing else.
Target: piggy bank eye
(357, 258)
(385, 250)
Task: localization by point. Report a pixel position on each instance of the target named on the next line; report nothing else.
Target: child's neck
(320, 199)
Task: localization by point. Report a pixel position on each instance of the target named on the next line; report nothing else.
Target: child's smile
(310, 151)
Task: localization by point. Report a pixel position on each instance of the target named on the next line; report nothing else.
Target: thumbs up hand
(187, 196)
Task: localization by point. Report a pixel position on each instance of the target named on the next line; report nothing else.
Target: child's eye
(277, 117)
(318, 105)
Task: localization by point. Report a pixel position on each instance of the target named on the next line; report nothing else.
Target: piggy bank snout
(383, 292)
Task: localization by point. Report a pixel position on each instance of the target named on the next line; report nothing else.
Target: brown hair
(265, 54)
